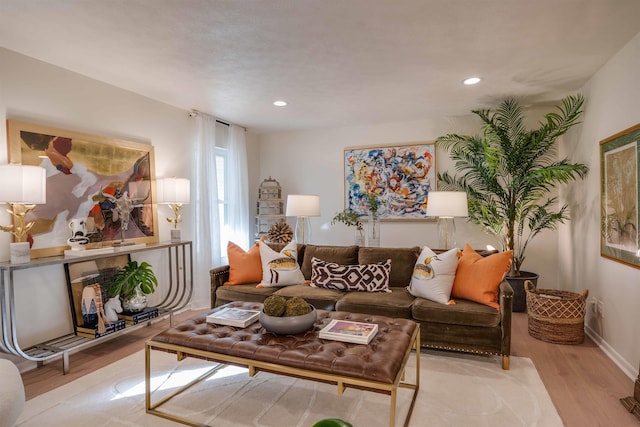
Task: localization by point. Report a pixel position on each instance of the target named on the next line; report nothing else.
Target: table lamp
(173, 192)
(303, 206)
(24, 187)
(446, 205)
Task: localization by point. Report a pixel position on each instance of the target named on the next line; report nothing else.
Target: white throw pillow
(434, 274)
(280, 268)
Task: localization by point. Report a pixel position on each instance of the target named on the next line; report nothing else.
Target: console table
(180, 289)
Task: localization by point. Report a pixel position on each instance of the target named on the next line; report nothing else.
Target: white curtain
(204, 207)
(238, 197)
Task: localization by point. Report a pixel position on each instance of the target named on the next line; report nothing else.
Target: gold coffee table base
(254, 366)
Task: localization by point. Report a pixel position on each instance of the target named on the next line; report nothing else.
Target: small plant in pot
(133, 283)
(351, 219)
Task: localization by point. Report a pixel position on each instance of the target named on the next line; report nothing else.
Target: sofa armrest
(506, 309)
(219, 275)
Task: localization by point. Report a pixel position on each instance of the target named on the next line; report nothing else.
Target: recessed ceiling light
(472, 81)
(280, 103)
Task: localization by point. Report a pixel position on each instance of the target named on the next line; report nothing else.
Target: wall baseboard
(630, 371)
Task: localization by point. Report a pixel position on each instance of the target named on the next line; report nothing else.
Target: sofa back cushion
(344, 255)
(403, 260)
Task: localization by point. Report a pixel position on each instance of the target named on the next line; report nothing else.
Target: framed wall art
(619, 195)
(106, 183)
(401, 176)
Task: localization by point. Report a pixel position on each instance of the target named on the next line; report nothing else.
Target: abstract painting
(401, 176)
(620, 192)
(105, 182)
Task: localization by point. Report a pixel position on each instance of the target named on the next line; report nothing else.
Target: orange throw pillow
(244, 267)
(478, 278)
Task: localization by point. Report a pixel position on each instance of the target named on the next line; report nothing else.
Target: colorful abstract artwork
(620, 195)
(400, 177)
(105, 183)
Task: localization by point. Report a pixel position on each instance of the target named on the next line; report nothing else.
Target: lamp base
(446, 232)
(20, 252)
(175, 235)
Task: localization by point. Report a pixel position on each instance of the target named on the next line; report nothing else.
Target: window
(223, 200)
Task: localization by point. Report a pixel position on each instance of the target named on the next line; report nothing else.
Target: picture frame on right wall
(619, 197)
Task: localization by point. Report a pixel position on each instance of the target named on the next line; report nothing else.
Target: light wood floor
(584, 384)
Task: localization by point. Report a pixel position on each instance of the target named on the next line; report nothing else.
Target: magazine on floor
(231, 316)
(345, 330)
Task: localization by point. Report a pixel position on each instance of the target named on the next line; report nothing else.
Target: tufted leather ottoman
(377, 366)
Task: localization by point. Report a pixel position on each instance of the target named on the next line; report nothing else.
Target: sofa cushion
(323, 299)
(397, 303)
(338, 254)
(433, 275)
(402, 262)
(361, 277)
(244, 267)
(280, 268)
(247, 292)
(463, 312)
(478, 278)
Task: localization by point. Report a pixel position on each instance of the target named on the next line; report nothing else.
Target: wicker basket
(556, 316)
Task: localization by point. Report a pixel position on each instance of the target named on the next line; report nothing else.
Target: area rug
(455, 390)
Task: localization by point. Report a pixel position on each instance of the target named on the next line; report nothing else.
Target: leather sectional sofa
(465, 326)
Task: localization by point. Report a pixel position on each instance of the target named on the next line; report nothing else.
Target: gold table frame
(256, 366)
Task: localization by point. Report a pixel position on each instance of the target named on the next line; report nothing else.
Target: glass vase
(373, 230)
(358, 237)
(136, 302)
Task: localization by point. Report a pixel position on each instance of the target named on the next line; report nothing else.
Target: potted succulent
(133, 283)
(509, 173)
(351, 219)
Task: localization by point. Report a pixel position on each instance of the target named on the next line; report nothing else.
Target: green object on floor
(332, 422)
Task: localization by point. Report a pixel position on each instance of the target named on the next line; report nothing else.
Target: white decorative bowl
(289, 325)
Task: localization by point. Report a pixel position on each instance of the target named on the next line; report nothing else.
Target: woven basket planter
(556, 316)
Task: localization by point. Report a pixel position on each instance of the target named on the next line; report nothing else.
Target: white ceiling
(337, 62)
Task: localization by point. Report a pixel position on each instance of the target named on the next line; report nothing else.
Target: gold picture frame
(88, 176)
(619, 197)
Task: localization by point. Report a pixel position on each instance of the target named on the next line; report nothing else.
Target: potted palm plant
(509, 174)
(133, 283)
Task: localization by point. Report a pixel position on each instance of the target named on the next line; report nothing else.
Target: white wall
(612, 106)
(311, 162)
(38, 92)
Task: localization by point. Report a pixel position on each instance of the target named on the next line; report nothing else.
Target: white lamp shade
(447, 204)
(23, 184)
(173, 190)
(303, 205)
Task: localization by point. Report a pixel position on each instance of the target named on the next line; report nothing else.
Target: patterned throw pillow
(433, 275)
(280, 268)
(363, 277)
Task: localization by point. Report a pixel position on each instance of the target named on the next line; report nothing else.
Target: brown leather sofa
(466, 326)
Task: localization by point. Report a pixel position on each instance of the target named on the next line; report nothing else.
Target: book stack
(347, 331)
(230, 316)
(142, 316)
(92, 333)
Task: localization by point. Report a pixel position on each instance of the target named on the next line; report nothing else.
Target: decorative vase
(373, 230)
(20, 252)
(358, 237)
(136, 302)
